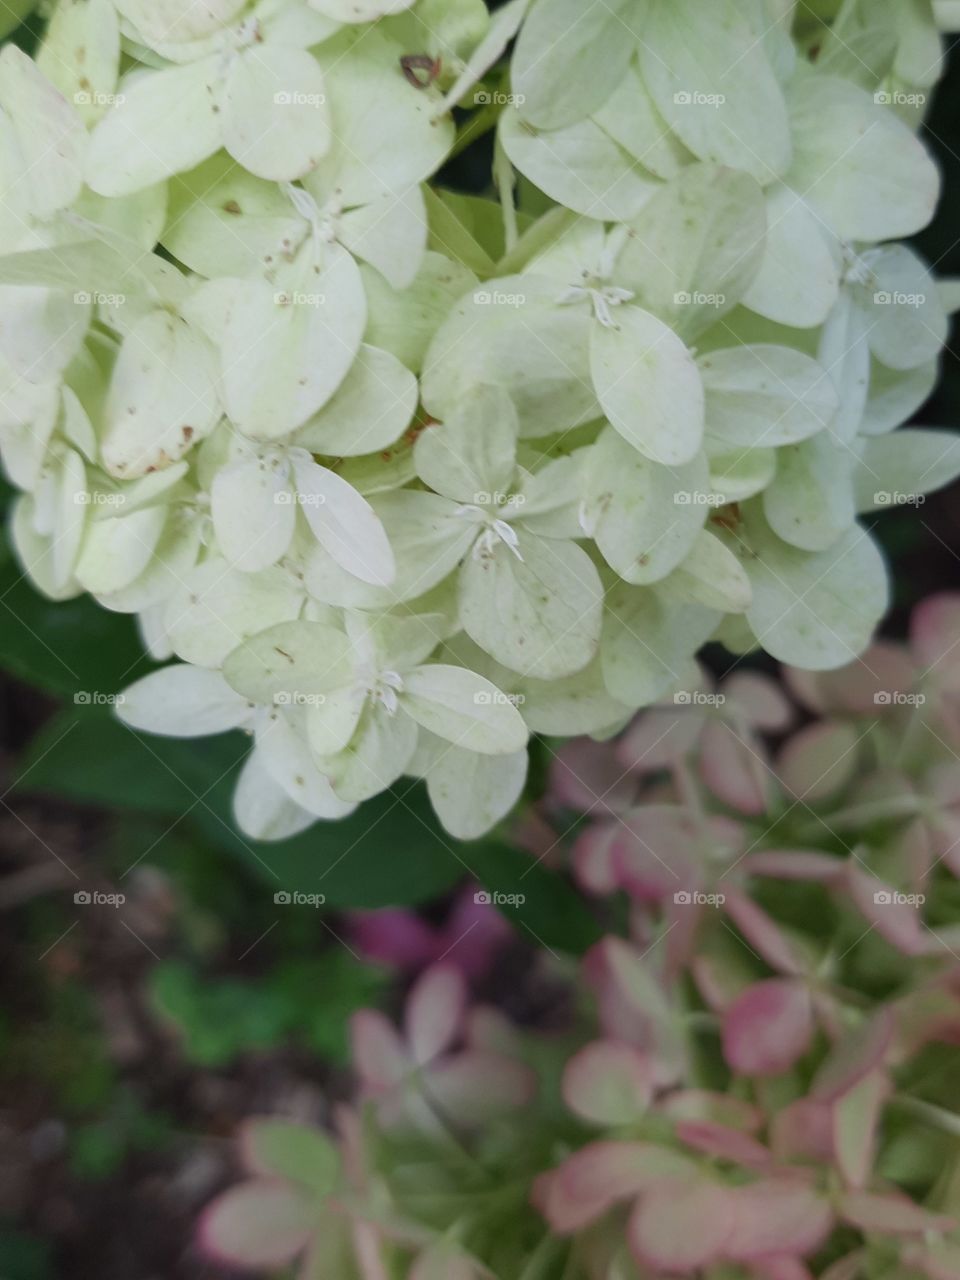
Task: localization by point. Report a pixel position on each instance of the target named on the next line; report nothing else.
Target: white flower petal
(344, 523)
(464, 708)
(371, 409)
(262, 808)
(471, 793)
(274, 114)
(253, 512)
(183, 702)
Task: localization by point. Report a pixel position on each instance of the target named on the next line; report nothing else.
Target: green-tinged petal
(162, 397)
(907, 320)
(579, 166)
(798, 280)
(712, 82)
(900, 468)
(376, 756)
(287, 349)
(183, 702)
(218, 607)
(810, 503)
(290, 664)
(471, 793)
(372, 408)
(648, 642)
(262, 808)
(80, 54)
(344, 523)
(696, 247)
(253, 512)
(813, 610)
(570, 56)
(649, 386)
(539, 616)
(645, 517)
(464, 708)
(48, 131)
(274, 114)
(765, 396)
(471, 456)
(712, 575)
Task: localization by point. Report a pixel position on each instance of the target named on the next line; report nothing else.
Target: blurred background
(157, 984)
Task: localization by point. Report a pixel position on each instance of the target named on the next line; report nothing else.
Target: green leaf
(543, 905)
(70, 647)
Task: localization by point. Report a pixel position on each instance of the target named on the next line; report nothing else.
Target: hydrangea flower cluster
(401, 476)
(757, 1081)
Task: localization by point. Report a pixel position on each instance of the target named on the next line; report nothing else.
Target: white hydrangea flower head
(401, 476)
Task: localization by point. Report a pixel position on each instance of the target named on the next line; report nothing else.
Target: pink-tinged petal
(443, 1261)
(379, 1057)
(935, 638)
(587, 776)
(258, 1224)
(297, 1152)
(489, 1029)
(938, 1261)
(659, 737)
(633, 1005)
(609, 1083)
(769, 1028)
(734, 768)
(820, 760)
(603, 1174)
(776, 1216)
(760, 700)
(923, 1016)
(802, 1131)
(861, 1051)
(856, 1117)
(682, 1228)
(474, 935)
(594, 862)
(883, 670)
(655, 850)
(473, 1087)
(434, 1012)
(702, 1106)
(534, 834)
(368, 1247)
(891, 1214)
(780, 1268)
(398, 939)
(796, 864)
(761, 932)
(894, 917)
(721, 1143)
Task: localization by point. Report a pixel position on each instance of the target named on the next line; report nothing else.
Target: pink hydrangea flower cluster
(759, 1080)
